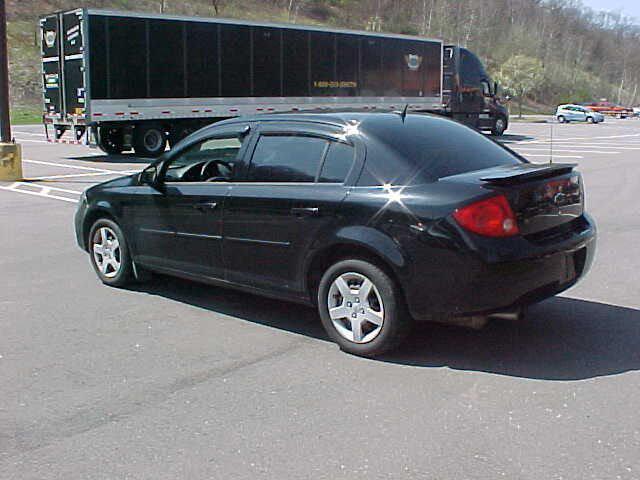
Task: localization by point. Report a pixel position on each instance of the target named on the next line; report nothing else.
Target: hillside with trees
(544, 51)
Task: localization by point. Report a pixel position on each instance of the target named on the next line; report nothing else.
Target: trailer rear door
(73, 54)
(51, 75)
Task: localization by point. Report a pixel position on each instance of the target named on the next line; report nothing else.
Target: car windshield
(428, 148)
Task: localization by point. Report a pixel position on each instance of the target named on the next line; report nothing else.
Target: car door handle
(206, 206)
(306, 211)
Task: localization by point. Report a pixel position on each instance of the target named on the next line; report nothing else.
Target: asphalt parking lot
(172, 379)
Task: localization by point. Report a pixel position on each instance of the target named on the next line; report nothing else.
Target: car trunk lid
(542, 196)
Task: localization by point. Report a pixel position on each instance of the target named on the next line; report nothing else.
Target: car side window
(286, 158)
(337, 163)
(212, 160)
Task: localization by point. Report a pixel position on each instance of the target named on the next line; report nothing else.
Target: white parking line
(79, 167)
(588, 139)
(22, 140)
(554, 155)
(74, 175)
(18, 132)
(562, 150)
(44, 192)
(619, 145)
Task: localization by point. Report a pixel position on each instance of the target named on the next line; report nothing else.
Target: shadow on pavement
(115, 159)
(561, 338)
(510, 138)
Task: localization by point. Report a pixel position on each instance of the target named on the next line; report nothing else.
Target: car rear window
(424, 149)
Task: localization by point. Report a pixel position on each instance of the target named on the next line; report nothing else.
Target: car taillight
(492, 217)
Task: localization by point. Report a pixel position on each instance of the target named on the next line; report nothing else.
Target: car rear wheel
(109, 253)
(149, 140)
(362, 309)
(589, 119)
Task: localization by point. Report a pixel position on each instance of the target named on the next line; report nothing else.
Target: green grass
(25, 116)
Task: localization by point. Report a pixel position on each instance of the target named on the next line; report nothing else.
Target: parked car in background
(377, 219)
(577, 113)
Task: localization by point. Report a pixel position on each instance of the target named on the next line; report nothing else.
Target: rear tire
(149, 140)
(366, 323)
(109, 253)
(111, 140)
(589, 119)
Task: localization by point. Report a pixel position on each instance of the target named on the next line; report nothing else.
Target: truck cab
(469, 96)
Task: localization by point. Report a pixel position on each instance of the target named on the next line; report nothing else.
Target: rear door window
(337, 163)
(287, 158)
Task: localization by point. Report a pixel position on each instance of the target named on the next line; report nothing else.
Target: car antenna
(551, 143)
(403, 115)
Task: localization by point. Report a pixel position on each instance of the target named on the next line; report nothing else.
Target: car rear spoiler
(527, 171)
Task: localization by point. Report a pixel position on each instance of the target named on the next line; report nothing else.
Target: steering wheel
(211, 171)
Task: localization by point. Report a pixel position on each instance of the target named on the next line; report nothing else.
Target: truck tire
(111, 140)
(149, 140)
(499, 126)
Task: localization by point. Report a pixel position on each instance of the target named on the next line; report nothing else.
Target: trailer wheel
(499, 126)
(149, 140)
(111, 140)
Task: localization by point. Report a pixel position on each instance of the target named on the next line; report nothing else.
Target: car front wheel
(362, 308)
(109, 253)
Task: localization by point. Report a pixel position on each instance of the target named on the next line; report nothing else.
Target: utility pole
(5, 126)
(10, 153)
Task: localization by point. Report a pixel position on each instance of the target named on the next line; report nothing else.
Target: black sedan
(378, 219)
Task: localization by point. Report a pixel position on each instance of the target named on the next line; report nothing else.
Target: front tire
(499, 126)
(110, 256)
(149, 140)
(362, 309)
(589, 119)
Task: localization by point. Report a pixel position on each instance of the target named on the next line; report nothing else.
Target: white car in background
(577, 113)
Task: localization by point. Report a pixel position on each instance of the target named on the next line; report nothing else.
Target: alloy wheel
(106, 252)
(355, 307)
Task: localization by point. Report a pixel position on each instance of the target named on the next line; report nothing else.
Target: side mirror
(149, 176)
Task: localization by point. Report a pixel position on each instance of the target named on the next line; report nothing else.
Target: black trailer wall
(158, 58)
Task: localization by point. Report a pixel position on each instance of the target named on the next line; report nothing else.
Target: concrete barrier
(10, 161)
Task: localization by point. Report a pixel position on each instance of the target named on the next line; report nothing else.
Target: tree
(519, 75)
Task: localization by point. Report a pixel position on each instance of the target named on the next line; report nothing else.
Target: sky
(628, 7)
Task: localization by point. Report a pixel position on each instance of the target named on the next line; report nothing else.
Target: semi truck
(122, 80)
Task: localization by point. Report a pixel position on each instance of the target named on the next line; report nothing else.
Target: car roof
(336, 118)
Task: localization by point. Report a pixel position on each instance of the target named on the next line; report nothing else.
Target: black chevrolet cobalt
(379, 219)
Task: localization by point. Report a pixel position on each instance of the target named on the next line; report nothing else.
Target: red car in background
(608, 108)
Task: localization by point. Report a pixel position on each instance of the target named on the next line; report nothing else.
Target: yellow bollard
(10, 161)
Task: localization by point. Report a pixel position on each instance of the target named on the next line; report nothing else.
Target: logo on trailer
(413, 61)
(50, 38)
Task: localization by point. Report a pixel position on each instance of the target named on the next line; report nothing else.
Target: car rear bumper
(483, 287)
